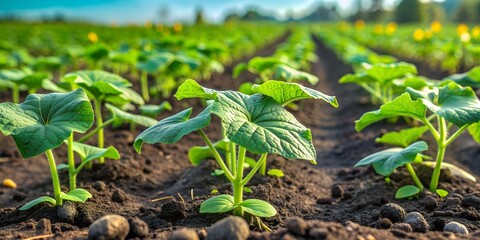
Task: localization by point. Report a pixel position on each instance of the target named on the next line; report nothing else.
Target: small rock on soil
(232, 228)
(417, 222)
(392, 211)
(455, 227)
(114, 227)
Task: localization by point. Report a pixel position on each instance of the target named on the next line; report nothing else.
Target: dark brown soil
(340, 202)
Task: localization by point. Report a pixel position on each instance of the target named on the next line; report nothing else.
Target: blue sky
(126, 11)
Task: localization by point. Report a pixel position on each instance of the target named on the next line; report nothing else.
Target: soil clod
(297, 226)
(234, 228)
(337, 191)
(383, 223)
(119, 196)
(417, 222)
(184, 234)
(173, 210)
(67, 212)
(43, 227)
(138, 228)
(392, 211)
(114, 227)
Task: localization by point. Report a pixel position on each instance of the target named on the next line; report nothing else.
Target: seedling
(450, 105)
(254, 123)
(16, 79)
(41, 124)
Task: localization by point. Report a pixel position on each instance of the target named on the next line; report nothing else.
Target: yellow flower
(159, 27)
(391, 28)
(465, 37)
(418, 35)
(462, 28)
(359, 24)
(378, 29)
(436, 26)
(177, 27)
(92, 37)
(476, 31)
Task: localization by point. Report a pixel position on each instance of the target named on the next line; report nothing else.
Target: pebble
(109, 227)
(403, 226)
(417, 222)
(67, 212)
(337, 191)
(471, 201)
(138, 228)
(100, 186)
(119, 196)
(318, 233)
(383, 223)
(232, 228)
(43, 227)
(392, 211)
(297, 226)
(429, 202)
(184, 234)
(453, 202)
(455, 227)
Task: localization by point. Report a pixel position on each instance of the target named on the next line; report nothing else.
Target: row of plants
(444, 108)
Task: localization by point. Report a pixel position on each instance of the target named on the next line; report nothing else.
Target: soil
(161, 188)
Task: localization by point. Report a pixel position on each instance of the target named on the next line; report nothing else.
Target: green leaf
(407, 191)
(276, 173)
(470, 78)
(122, 116)
(284, 92)
(458, 105)
(474, 130)
(247, 190)
(44, 121)
(441, 192)
(258, 208)
(386, 161)
(384, 73)
(403, 105)
(358, 78)
(289, 74)
(37, 201)
(12, 75)
(218, 204)
(154, 110)
(214, 191)
(191, 89)
(246, 88)
(261, 125)
(404, 137)
(62, 166)
(88, 153)
(238, 69)
(173, 128)
(198, 153)
(80, 194)
(217, 172)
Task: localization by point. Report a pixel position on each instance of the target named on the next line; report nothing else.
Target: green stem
(71, 164)
(440, 154)
(144, 84)
(91, 133)
(233, 157)
(456, 134)
(372, 91)
(414, 176)
(216, 155)
(263, 167)
(237, 182)
(56, 182)
(98, 115)
(432, 129)
(15, 93)
(252, 172)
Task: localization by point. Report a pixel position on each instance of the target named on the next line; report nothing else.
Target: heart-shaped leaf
(191, 89)
(218, 204)
(122, 116)
(44, 121)
(385, 73)
(403, 105)
(289, 74)
(258, 208)
(88, 153)
(386, 161)
(404, 137)
(470, 78)
(173, 128)
(285, 93)
(458, 105)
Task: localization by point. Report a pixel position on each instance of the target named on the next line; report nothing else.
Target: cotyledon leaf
(284, 92)
(173, 128)
(458, 105)
(44, 121)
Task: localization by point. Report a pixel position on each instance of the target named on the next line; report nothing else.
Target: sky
(139, 11)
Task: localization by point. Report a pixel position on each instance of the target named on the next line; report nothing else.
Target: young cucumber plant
(255, 123)
(450, 105)
(42, 123)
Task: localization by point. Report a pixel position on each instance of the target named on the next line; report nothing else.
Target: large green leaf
(359, 78)
(88, 153)
(285, 93)
(290, 74)
(154, 110)
(458, 105)
(403, 105)
(218, 204)
(173, 128)
(474, 130)
(470, 78)
(386, 161)
(388, 72)
(261, 125)
(258, 208)
(404, 137)
(191, 89)
(43, 121)
(122, 116)
(12, 75)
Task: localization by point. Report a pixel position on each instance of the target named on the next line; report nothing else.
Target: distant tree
(199, 19)
(468, 11)
(408, 11)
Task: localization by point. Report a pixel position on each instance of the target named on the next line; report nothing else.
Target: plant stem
(432, 129)
(144, 84)
(252, 172)
(15, 93)
(440, 154)
(91, 133)
(237, 182)
(414, 176)
(55, 180)
(456, 134)
(216, 155)
(72, 176)
(98, 115)
(263, 167)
